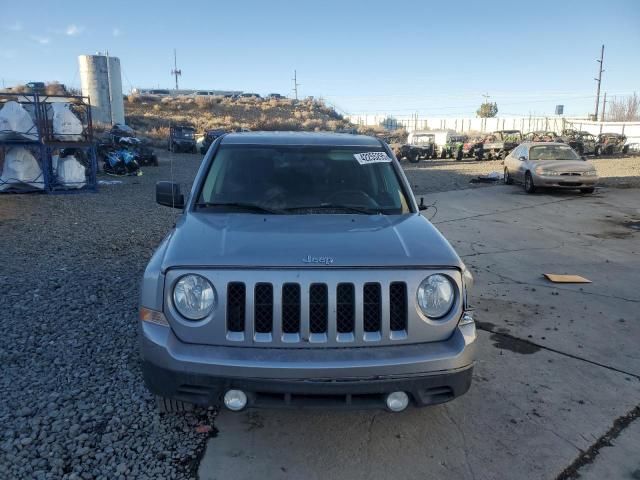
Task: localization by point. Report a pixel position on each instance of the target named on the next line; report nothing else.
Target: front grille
(318, 308)
(263, 308)
(372, 308)
(291, 308)
(398, 306)
(345, 308)
(351, 311)
(235, 307)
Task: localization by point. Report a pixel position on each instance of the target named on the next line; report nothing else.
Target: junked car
(182, 138)
(611, 144)
(301, 273)
(420, 144)
(500, 143)
(546, 164)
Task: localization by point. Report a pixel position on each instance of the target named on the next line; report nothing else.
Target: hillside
(151, 116)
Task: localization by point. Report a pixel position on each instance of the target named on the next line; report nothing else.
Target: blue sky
(436, 58)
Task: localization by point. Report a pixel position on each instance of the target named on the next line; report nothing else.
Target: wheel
(507, 177)
(169, 405)
(529, 187)
(597, 152)
(155, 161)
(587, 190)
(415, 158)
(489, 156)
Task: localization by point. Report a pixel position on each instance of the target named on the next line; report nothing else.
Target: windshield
(553, 152)
(302, 179)
(184, 133)
(423, 139)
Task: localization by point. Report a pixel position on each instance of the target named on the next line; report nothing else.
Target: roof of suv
(300, 138)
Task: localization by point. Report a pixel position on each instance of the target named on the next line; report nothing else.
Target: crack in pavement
(559, 352)
(588, 456)
(464, 442)
(524, 207)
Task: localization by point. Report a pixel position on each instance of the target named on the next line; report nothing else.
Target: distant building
(173, 92)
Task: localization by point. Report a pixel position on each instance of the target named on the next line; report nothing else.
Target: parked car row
(499, 144)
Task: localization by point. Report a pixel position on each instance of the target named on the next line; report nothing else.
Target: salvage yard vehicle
(542, 136)
(470, 147)
(209, 138)
(499, 144)
(420, 144)
(582, 142)
(611, 144)
(271, 289)
(182, 138)
(454, 146)
(547, 164)
(122, 142)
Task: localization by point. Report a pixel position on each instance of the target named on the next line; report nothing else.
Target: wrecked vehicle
(500, 143)
(311, 314)
(182, 138)
(471, 146)
(209, 138)
(611, 144)
(582, 142)
(455, 146)
(542, 136)
(420, 144)
(549, 165)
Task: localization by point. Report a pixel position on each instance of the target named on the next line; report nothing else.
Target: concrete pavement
(557, 364)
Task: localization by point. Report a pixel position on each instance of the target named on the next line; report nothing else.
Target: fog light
(397, 401)
(235, 400)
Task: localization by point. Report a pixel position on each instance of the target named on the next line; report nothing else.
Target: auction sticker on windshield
(371, 157)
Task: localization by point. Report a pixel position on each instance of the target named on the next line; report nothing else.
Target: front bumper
(564, 181)
(342, 377)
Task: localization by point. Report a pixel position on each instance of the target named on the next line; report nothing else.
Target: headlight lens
(194, 297)
(436, 295)
(541, 171)
(590, 173)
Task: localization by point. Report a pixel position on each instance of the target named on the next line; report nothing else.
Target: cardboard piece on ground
(566, 278)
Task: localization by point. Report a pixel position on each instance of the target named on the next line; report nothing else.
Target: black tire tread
(169, 405)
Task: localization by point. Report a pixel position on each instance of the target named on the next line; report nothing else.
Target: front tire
(169, 405)
(529, 187)
(508, 180)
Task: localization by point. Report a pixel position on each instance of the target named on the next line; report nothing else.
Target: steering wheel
(352, 197)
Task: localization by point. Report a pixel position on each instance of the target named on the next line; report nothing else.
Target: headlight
(436, 295)
(590, 173)
(194, 297)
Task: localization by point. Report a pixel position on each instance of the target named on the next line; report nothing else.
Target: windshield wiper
(254, 207)
(333, 206)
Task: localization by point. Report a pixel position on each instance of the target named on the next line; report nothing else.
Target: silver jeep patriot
(301, 273)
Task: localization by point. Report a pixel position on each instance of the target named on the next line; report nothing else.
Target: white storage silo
(102, 83)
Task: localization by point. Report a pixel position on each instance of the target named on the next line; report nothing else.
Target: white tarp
(71, 172)
(66, 126)
(16, 123)
(20, 170)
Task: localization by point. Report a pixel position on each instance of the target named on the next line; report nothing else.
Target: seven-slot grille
(317, 303)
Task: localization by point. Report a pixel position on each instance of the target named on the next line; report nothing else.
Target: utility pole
(295, 83)
(599, 80)
(175, 72)
(486, 97)
(604, 105)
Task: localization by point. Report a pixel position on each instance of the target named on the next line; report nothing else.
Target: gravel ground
(72, 400)
(444, 175)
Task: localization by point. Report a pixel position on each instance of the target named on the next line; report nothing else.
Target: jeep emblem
(320, 260)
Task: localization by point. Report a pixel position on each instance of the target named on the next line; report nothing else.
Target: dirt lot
(430, 176)
(558, 369)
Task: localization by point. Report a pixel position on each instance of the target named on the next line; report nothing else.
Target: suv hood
(251, 240)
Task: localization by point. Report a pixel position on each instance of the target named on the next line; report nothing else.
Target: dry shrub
(166, 100)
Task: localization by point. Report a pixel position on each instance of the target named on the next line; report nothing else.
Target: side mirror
(523, 159)
(168, 194)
